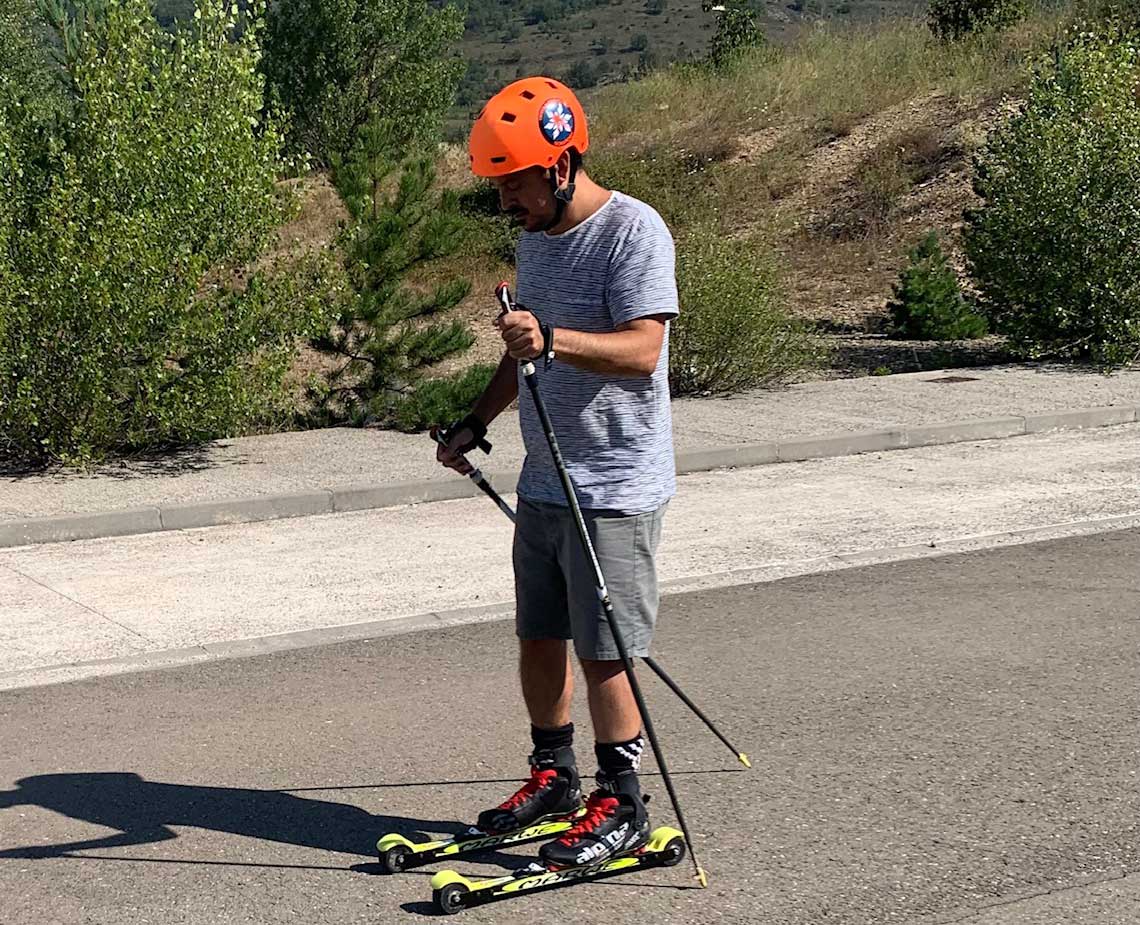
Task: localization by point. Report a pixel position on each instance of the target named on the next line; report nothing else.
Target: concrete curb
(23, 678)
(68, 527)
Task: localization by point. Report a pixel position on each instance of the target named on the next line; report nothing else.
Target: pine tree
(388, 334)
(928, 301)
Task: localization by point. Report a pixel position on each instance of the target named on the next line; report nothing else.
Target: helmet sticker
(557, 122)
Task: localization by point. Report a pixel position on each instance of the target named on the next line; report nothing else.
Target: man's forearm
(631, 353)
(500, 392)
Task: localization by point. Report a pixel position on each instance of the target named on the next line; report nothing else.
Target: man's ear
(562, 167)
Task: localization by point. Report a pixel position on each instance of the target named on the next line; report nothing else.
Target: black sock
(562, 737)
(618, 764)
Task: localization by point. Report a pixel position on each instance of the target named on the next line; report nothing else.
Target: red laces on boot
(598, 809)
(538, 780)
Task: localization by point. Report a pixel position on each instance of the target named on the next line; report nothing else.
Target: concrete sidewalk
(318, 472)
(141, 602)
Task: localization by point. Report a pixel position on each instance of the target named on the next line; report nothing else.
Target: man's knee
(599, 672)
(542, 654)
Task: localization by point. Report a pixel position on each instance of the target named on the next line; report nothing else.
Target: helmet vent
(527, 95)
(552, 85)
(499, 160)
(508, 117)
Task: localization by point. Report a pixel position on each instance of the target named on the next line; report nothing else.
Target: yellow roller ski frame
(397, 853)
(452, 892)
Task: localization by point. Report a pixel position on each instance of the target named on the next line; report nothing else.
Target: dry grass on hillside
(839, 152)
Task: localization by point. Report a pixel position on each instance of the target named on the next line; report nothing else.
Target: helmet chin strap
(562, 197)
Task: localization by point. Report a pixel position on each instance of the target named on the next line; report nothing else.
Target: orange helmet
(527, 124)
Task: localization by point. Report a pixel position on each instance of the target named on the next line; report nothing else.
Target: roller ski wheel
(452, 892)
(394, 859)
(449, 899)
(674, 852)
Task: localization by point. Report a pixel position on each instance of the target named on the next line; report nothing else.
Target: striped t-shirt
(615, 432)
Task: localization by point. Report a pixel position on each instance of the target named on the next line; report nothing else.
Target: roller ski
(611, 837)
(548, 804)
(452, 892)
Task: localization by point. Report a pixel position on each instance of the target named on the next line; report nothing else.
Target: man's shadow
(143, 812)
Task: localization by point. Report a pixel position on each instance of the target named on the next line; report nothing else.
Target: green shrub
(736, 30)
(951, 20)
(583, 75)
(442, 400)
(124, 320)
(733, 332)
(488, 230)
(337, 64)
(30, 78)
(1055, 246)
(928, 303)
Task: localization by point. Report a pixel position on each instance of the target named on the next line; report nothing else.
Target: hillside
(830, 156)
(590, 42)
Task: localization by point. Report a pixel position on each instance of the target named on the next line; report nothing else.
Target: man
(596, 278)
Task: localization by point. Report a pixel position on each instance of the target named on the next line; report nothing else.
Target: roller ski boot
(552, 793)
(548, 804)
(616, 822)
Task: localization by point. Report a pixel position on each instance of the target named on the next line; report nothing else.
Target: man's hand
(522, 334)
(449, 454)
(458, 439)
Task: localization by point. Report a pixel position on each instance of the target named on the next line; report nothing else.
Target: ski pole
(529, 373)
(477, 477)
(480, 480)
(675, 688)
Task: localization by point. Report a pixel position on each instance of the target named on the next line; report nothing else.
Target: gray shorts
(555, 590)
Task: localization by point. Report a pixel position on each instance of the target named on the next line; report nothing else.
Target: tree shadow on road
(172, 461)
(143, 812)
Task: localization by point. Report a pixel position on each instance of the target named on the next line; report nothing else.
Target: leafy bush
(583, 75)
(31, 79)
(489, 231)
(122, 321)
(733, 332)
(736, 30)
(337, 64)
(928, 302)
(1055, 246)
(951, 20)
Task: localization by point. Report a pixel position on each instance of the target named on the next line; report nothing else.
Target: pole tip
(702, 878)
(744, 760)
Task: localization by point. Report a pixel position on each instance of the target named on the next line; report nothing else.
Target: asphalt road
(948, 740)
